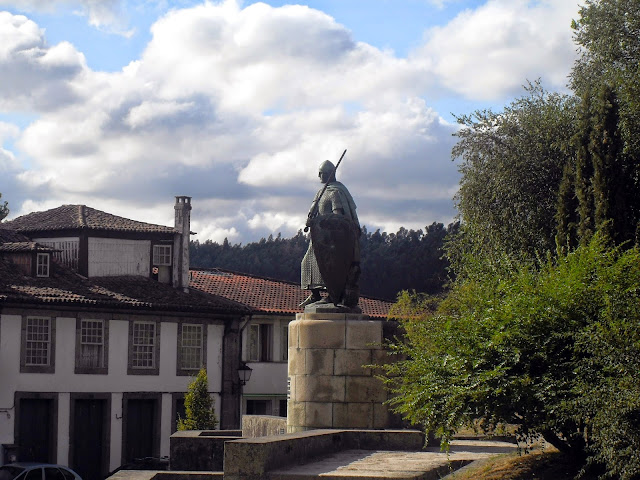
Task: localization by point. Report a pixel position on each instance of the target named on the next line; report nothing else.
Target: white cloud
(109, 15)
(35, 76)
(237, 107)
(147, 112)
(490, 52)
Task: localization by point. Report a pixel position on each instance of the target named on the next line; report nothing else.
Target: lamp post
(244, 373)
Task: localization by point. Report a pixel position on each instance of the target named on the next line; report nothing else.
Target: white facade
(63, 383)
(115, 256)
(68, 248)
(266, 391)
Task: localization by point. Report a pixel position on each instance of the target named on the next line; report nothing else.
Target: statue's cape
(333, 238)
(346, 198)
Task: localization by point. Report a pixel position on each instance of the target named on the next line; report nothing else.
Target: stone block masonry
(329, 385)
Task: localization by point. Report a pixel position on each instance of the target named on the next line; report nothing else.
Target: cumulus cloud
(238, 106)
(489, 52)
(109, 15)
(35, 76)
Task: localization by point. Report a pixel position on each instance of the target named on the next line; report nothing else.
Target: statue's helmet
(327, 167)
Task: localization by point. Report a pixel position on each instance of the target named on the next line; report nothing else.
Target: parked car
(36, 471)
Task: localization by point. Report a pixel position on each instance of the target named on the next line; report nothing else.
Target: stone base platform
(330, 385)
(373, 465)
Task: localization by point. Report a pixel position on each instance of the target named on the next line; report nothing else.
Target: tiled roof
(7, 235)
(64, 287)
(25, 247)
(267, 295)
(79, 217)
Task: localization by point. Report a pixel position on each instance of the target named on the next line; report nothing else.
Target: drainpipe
(240, 335)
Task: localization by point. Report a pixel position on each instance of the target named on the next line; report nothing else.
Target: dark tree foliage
(406, 260)
(606, 78)
(4, 209)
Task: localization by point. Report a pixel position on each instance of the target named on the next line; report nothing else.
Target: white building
(102, 324)
(95, 359)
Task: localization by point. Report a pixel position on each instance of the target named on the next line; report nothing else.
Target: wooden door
(89, 419)
(35, 431)
(140, 428)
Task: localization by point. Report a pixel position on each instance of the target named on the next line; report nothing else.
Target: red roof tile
(72, 217)
(267, 295)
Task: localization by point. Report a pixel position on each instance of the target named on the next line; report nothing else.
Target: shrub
(198, 404)
(553, 349)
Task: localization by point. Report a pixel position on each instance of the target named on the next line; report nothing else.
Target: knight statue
(332, 261)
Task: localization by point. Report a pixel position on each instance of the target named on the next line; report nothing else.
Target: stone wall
(253, 458)
(329, 383)
(263, 425)
(199, 450)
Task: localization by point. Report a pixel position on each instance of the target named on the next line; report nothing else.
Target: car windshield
(9, 472)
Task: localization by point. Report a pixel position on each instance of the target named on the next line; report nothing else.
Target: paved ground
(364, 464)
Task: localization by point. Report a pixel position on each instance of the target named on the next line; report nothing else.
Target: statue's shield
(333, 238)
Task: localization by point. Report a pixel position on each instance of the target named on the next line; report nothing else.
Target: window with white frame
(259, 348)
(91, 346)
(143, 345)
(38, 341)
(191, 346)
(42, 265)
(38, 345)
(162, 254)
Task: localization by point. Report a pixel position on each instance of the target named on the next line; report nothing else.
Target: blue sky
(122, 104)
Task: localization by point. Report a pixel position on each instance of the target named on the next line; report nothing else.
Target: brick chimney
(181, 243)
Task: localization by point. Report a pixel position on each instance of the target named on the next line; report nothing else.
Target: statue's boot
(314, 297)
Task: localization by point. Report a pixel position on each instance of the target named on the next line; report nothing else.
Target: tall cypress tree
(607, 80)
(567, 211)
(608, 167)
(584, 171)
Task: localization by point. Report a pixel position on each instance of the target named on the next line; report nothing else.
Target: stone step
(393, 465)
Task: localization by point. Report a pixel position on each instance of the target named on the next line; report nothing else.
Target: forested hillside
(391, 262)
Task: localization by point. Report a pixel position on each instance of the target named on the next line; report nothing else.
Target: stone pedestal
(329, 387)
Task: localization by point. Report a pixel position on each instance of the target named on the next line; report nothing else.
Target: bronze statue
(332, 261)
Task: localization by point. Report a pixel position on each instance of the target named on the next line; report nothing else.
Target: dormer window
(162, 255)
(42, 266)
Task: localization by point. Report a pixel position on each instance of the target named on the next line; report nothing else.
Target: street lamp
(244, 373)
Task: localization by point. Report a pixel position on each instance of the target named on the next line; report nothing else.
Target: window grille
(143, 345)
(191, 347)
(162, 254)
(260, 343)
(43, 265)
(91, 344)
(38, 341)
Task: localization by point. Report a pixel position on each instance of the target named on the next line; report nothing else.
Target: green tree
(4, 209)
(606, 78)
(512, 166)
(554, 350)
(198, 404)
